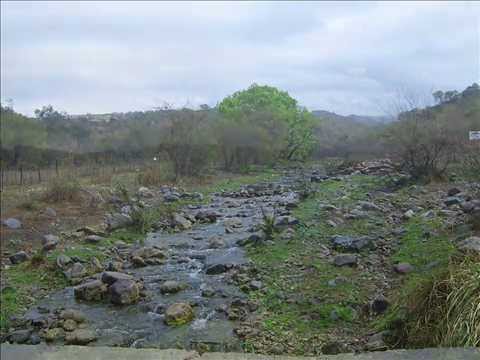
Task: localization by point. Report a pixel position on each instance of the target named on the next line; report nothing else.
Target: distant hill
(362, 119)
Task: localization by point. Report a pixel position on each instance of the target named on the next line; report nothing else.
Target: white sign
(474, 135)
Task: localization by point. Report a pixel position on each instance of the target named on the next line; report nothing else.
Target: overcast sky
(345, 57)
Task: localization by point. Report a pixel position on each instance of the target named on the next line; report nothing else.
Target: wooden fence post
(21, 176)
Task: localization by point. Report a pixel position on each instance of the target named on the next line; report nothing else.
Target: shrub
(444, 309)
(156, 175)
(62, 189)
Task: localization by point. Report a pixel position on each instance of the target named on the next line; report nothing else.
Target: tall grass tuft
(62, 189)
(445, 310)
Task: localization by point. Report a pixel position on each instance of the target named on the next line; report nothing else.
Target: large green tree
(279, 120)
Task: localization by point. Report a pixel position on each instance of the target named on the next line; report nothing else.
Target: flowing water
(189, 254)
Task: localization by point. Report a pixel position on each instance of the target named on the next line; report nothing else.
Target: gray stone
(73, 314)
(408, 214)
(349, 243)
(145, 192)
(93, 239)
(369, 206)
(20, 336)
(19, 257)
(63, 261)
(118, 221)
(69, 325)
(380, 304)
(216, 242)
(50, 242)
(149, 252)
(124, 292)
(181, 222)
(171, 287)
(345, 260)
(76, 271)
(255, 285)
(138, 261)
(94, 290)
(471, 244)
(54, 334)
(110, 277)
(218, 269)
(452, 200)
(179, 314)
(12, 223)
(80, 337)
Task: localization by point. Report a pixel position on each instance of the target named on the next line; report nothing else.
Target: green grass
(299, 307)
(22, 279)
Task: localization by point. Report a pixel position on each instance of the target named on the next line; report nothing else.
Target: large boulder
(124, 292)
(72, 314)
(216, 242)
(118, 221)
(148, 253)
(179, 314)
(94, 290)
(217, 269)
(75, 272)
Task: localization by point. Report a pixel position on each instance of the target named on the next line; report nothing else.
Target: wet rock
(287, 234)
(20, 336)
(19, 257)
(80, 337)
(124, 292)
(50, 242)
(207, 216)
(110, 277)
(54, 334)
(94, 290)
(171, 287)
(87, 230)
(63, 261)
(181, 222)
(149, 252)
(179, 314)
(12, 223)
(452, 200)
(76, 271)
(345, 260)
(380, 304)
(218, 269)
(471, 244)
(72, 314)
(208, 292)
(233, 223)
(349, 243)
(403, 268)
(69, 325)
(138, 262)
(216, 242)
(117, 221)
(356, 214)
(93, 239)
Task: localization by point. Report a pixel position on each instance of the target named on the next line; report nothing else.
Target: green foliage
(274, 116)
(18, 130)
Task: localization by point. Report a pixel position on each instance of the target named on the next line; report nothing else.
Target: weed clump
(62, 189)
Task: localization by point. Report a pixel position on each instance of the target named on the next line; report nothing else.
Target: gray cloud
(339, 56)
